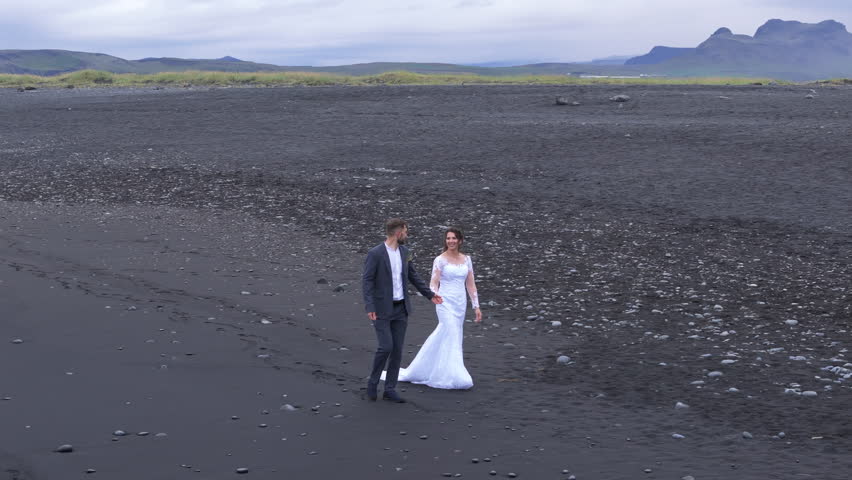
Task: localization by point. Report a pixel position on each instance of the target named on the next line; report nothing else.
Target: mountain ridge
(785, 50)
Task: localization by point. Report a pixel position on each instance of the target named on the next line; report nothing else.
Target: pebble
(119, 433)
(681, 405)
(809, 393)
(17, 341)
(563, 360)
(91, 470)
(242, 470)
(64, 449)
(715, 374)
(677, 436)
(791, 322)
(747, 435)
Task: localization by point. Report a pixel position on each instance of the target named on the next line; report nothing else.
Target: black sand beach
(186, 263)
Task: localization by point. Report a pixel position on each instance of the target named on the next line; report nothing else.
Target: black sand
(667, 234)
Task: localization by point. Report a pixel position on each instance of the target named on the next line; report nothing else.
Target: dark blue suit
(391, 319)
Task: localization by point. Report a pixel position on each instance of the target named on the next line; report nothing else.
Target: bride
(439, 363)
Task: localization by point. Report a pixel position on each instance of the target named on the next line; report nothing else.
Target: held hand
(437, 300)
(478, 315)
(372, 316)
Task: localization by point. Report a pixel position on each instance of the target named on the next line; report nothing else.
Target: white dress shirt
(396, 272)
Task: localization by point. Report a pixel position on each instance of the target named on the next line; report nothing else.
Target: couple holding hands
(387, 270)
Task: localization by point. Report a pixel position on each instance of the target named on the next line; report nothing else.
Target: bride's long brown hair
(459, 236)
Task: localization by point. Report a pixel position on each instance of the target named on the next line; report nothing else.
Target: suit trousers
(390, 332)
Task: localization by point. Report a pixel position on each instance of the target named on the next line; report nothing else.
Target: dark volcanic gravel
(669, 233)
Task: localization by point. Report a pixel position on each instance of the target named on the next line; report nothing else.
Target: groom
(386, 272)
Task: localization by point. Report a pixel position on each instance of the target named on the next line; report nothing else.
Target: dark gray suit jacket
(377, 282)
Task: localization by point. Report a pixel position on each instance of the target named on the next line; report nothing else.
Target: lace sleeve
(435, 282)
(470, 283)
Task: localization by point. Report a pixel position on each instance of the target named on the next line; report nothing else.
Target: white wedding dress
(440, 363)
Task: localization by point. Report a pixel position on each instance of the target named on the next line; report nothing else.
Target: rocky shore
(665, 280)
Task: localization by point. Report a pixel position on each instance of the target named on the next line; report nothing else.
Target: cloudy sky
(335, 32)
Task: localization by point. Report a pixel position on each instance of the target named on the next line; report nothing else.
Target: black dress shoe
(372, 392)
(392, 397)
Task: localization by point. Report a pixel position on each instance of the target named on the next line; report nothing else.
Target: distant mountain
(54, 62)
(610, 60)
(786, 50)
(657, 55)
(779, 49)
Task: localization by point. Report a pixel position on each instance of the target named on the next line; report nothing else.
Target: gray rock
(64, 449)
(620, 98)
(747, 435)
(242, 470)
(563, 360)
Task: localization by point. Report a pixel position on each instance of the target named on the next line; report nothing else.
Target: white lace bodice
(452, 279)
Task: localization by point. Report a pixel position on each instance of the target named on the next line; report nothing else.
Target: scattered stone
(677, 436)
(17, 341)
(64, 449)
(619, 98)
(681, 405)
(242, 470)
(563, 360)
(747, 435)
(715, 374)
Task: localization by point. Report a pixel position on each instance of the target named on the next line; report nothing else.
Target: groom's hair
(394, 224)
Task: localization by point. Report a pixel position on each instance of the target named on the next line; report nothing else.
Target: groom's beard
(401, 241)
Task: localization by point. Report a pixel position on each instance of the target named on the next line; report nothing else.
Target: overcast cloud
(334, 32)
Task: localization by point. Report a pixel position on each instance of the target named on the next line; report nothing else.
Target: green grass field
(94, 78)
